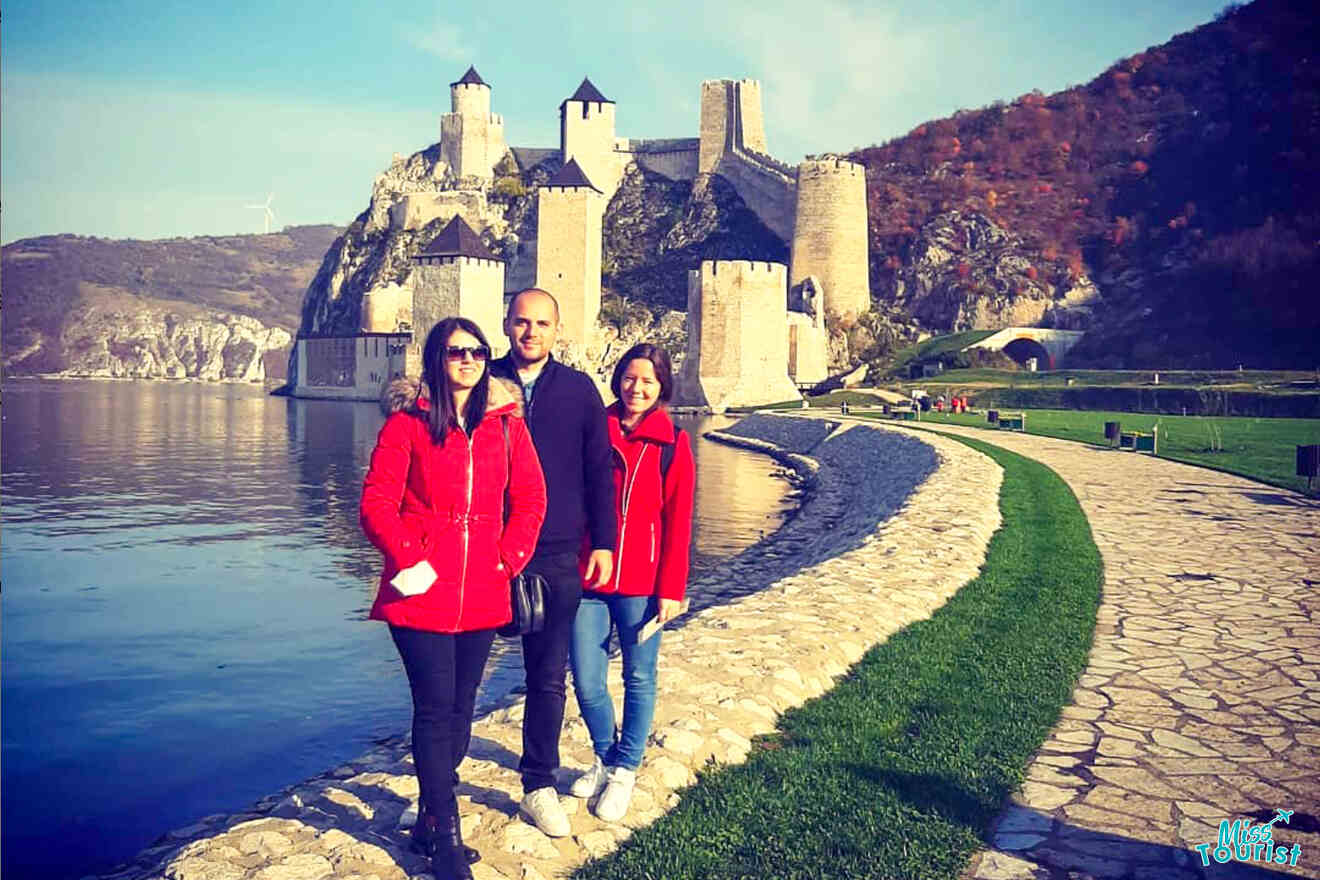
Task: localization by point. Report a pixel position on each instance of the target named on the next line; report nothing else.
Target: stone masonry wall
(463, 286)
(737, 351)
(568, 254)
(829, 234)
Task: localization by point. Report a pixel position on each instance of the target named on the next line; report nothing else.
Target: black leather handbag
(527, 596)
(526, 590)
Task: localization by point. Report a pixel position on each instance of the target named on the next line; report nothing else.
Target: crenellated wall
(471, 137)
(829, 238)
(467, 286)
(737, 352)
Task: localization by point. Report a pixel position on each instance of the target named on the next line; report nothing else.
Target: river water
(184, 603)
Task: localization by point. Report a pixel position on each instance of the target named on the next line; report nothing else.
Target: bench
(1012, 421)
(1138, 441)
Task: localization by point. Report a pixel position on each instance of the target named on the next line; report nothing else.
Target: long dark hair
(443, 416)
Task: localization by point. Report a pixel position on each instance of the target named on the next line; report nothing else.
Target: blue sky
(150, 120)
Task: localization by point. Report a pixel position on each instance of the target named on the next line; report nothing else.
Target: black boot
(449, 857)
(428, 829)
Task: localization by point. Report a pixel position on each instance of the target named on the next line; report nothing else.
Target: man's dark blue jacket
(567, 420)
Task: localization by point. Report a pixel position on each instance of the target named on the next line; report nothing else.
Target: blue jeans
(590, 659)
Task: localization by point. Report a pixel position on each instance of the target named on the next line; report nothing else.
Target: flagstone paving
(849, 569)
(1200, 701)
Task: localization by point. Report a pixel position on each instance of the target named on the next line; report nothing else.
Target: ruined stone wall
(737, 351)
(586, 133)
(466, 286)
(829, 234)
(415, 210)
(568, 254)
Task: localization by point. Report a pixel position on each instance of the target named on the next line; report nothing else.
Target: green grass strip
(899, 770)
(1260, 449)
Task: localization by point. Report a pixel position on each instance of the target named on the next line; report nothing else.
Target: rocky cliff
(210, 308)
(965, 272)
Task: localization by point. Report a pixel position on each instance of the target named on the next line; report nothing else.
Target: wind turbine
(270, 215)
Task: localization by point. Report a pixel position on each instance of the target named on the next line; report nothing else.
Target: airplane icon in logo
(1285, 815)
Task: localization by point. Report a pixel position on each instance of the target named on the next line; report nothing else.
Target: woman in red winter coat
(434, 505)
(654, 481)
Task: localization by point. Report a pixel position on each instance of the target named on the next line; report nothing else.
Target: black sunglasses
(457, 352)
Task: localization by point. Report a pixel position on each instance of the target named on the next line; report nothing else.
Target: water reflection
(181, 563)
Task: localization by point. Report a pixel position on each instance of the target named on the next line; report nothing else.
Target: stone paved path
(1201, 700)
(847, 582)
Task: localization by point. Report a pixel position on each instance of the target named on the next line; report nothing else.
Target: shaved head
(532, 292)
(532, 325)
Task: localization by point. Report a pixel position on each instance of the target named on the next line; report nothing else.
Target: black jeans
(545, 657)
(444, 670)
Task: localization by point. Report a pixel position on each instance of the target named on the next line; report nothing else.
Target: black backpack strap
(667, 451)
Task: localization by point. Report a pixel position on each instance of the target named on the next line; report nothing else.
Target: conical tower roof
(571, 175)
(458, 240)
(471, 78)
(587, 93)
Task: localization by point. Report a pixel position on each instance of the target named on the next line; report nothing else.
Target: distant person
(434, 504)
(567, 420)
(654, 479)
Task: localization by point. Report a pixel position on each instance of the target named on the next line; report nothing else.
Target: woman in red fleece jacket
(434, 504)
(653, 501)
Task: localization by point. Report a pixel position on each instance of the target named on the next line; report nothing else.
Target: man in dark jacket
(567, 420)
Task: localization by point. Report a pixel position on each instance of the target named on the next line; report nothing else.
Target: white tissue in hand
(414, 579)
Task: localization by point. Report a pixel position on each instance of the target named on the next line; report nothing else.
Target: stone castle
(756, 331)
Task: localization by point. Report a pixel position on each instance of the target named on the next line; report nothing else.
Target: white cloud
(442, 40)
(834, 75)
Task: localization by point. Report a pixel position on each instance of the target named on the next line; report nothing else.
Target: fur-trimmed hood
(407, 394)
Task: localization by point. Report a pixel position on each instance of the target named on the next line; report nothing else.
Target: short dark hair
(659, 359)
(443, 417)
(508, 313)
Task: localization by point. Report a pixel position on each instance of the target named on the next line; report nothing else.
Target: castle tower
(586, 133)
(569, 211)
(731, 119)
(830, 233)
(471, 137)
(737, 352)
(458, 275)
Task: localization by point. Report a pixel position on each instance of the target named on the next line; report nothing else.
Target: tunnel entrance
(1022, 348)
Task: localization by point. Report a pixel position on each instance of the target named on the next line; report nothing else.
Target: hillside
(79, 304)
(1182, 181)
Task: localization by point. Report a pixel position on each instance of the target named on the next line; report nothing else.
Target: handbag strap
(508, 455)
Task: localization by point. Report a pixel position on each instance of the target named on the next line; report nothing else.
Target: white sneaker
(590, 783)
(618, 792)
(542, 807)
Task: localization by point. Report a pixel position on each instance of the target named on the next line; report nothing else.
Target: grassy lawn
(900, 769)
(1118, 378)
(937, 345)
(1262, 449)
